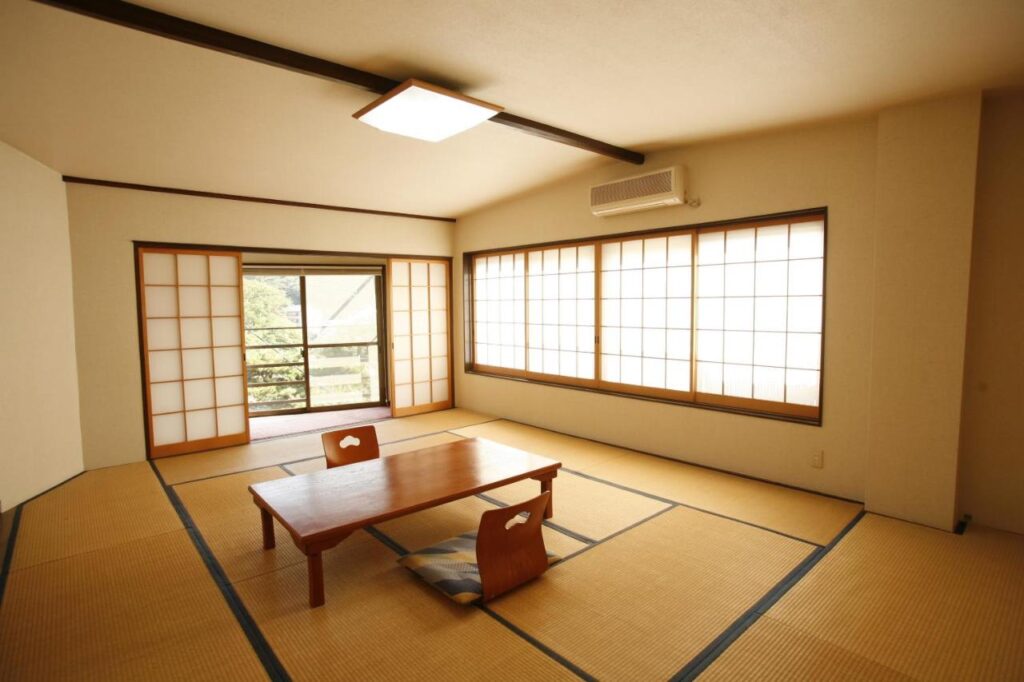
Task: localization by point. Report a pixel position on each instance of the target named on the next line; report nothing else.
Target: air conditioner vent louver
(632, 188)
(637, 193)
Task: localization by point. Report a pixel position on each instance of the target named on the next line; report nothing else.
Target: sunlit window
(728, 316)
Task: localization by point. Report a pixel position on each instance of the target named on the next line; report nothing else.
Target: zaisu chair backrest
(347, 446)
(509, 549)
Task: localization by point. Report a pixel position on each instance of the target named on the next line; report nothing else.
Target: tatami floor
(670, 571)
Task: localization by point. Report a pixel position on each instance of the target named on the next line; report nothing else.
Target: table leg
(545, 487)
(315, 566)
(268, 529)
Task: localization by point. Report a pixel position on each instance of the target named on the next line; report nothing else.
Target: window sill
(633, 396)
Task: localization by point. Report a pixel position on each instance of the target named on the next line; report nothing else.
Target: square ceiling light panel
(426, 112)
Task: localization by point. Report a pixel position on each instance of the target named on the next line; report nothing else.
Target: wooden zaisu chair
(347, 446)
(505, 552)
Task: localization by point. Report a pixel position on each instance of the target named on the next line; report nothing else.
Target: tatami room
(522, 341)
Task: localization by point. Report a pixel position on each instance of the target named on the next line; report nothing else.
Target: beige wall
(39, 423)
(992, 437)
(843, 166)
(927, 160)
(105, 221)
(824, 166)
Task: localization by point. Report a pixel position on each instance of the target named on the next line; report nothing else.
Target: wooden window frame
(802, 414)
(301, 271)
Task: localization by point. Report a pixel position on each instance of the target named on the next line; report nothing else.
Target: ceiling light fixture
(425, 111)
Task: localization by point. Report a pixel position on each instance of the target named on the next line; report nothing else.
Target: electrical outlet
(818, 459)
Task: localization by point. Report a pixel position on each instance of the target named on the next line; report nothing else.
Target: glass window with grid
(759, 313)
(561, 311)
(646, 312)
(499, 307)
(726, 316)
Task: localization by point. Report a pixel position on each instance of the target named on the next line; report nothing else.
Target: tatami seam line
(689, 506)
(306, 459)
(400, 550)
(530, 639)
(550, 524)
(271, 664)
(699, 663)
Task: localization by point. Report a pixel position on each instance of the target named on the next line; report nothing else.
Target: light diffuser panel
(425, 112)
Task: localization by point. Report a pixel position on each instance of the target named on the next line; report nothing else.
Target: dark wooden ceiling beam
(168, 26)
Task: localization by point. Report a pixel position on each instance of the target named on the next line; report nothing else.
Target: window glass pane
(739, 246)
(610, 256)
(772, 315)
(679, 250)
(636, 311)
(807, 240)
(805, 277)
(758, 312)
(711, 248)
(341, 308)
(344, 375)
(562, 320)
(500, 301)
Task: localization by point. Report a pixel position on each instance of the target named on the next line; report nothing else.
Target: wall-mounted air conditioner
(639, 192)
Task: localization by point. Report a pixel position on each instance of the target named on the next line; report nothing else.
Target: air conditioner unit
(639, 192)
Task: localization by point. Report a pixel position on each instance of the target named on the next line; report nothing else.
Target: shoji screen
(759, 316)
(420, 357)
(192, 339)
(646, 315)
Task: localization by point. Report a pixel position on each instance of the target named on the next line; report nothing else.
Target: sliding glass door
(313, 339)
(343, 326)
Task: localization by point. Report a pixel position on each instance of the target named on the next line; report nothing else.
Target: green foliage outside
(273, 317)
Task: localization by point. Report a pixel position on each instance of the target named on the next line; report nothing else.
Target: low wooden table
(321, 509)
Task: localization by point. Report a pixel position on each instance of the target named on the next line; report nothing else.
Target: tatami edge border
(580, 537)
(271, 664)
(677, 503)
(312, 457)
(699, 663)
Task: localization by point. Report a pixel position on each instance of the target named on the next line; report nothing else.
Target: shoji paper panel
(759, 313)
(646, 313)
(195, 382)
(420, 345)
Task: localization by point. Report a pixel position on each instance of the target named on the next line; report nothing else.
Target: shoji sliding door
(191, 307)
(419, 316)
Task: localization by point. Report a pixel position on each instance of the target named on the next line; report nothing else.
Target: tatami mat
(98, 509)
(592, 509)
(381, 623)
(928, 604)
(645, 602)
(265, 453)
(811, 517)
(223, 510)
(142, 610)
(409, 445)
(771, 650)
(431, 526)
(279, 451)
(431, 422)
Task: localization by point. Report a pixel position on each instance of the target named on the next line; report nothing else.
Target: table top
(314, 507)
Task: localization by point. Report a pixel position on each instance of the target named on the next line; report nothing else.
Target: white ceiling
(97, 100)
